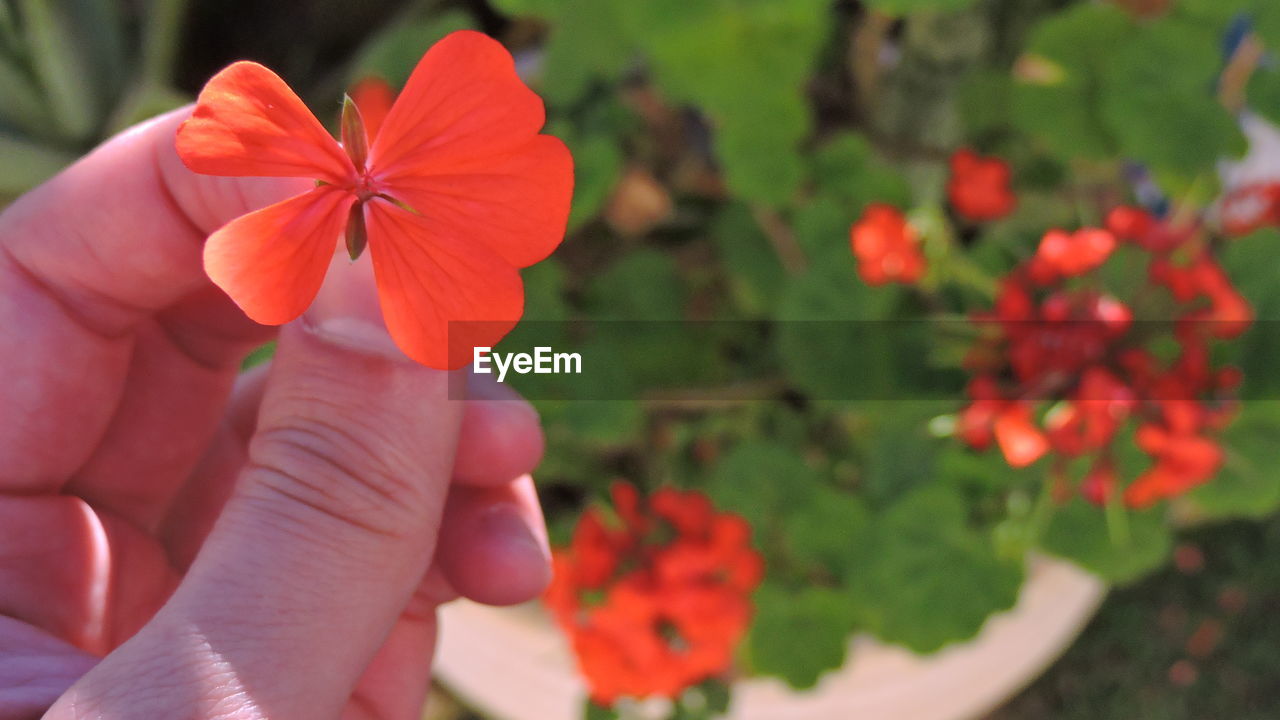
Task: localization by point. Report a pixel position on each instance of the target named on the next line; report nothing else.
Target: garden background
(724, 149)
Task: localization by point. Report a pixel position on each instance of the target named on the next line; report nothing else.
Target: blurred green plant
(801, 114)
(74, 71)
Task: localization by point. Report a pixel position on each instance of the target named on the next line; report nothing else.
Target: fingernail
(347, 312)
(505, 524)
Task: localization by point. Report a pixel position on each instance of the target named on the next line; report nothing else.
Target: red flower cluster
(886, 247)
(1055, 338)
(979, 187)
(656, 599)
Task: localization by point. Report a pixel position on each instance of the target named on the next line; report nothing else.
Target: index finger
(85, 261)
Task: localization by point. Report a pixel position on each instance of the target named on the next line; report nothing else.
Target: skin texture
(179, 540)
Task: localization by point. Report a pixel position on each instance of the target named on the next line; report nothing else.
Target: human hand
(178, 540)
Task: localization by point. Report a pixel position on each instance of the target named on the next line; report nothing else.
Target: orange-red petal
(1019, 439)
(517, 203)
(272, 261)
(247, 122)
(463, 102)
(442, 295)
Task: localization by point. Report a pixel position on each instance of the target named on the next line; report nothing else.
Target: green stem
(1041, 513)
(966, 272)
(1117, 521)
(943, 252)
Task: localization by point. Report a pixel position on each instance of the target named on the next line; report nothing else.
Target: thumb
(332, 525)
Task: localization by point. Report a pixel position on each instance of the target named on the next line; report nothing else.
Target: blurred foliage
(73, 71)
(772, 126)
(723, 149)
(1194, 641)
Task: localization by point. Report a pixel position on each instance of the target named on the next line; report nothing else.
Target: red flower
(455, 193)
(1064, 255)
(1183, 460)
(657, 601)
(886, 247)
(1009, 422)
(1145, 230)
(1070, 330)
(1249, 208)
(1020, 440)
(1073, 348)
(979, 187)
(1228, 314)
(1100, 405)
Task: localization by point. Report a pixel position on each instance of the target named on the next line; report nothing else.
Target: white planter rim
(513, 664)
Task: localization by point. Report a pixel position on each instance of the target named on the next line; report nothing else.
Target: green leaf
(10, 39)
(822, 226)
(592, 711)
(597, 163)
(544, 325)
(1264, 93)
(1248, 484)
(988, 471)
(591, 423)
(1215, 12)
(1157, 98)
(707, 700)
(540, 8)
(827, 346)
(985, 101)
(1249, 261)
(588, 42)
(717, 696)
(70, 49)
(932, 579)
(799, 635)
(393, 53)
(752, 268)
(900, 454)
(904, 7)
(769, 176)
(22, 106)
(1078, 532)
(744, 63)
(643, 285)
(827, 533)
(544, 291)
(848, 170)
(260, 355)
(757, 480)
(1073, 51)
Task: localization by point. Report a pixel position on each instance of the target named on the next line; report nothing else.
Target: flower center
(365, 187)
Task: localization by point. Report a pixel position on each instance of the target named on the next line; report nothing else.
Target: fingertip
(493, 545)
(501, 437)
(212, 201)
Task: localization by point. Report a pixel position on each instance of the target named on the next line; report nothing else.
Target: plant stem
(1041, 513)
(782, 239)
(1117, 521)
